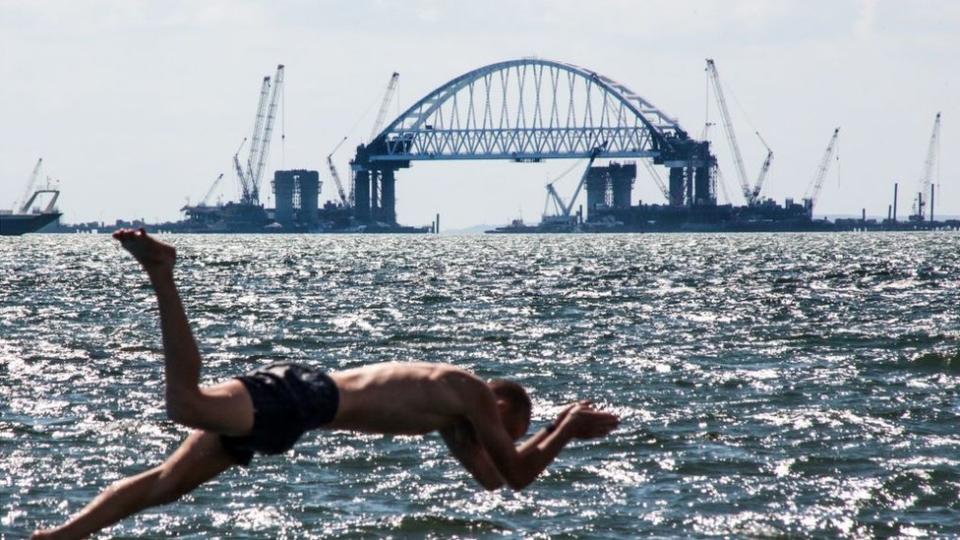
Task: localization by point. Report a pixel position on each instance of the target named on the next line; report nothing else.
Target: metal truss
(527, 109)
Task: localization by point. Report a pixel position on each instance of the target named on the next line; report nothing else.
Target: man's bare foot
(153, 254)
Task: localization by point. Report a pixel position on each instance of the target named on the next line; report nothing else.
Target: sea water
(768, 385)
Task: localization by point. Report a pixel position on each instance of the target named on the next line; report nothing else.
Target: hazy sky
(136, 106)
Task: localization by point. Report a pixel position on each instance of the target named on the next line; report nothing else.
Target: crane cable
(283, 126)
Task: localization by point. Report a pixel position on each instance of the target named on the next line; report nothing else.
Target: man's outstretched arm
(462, 442)
(520, 467)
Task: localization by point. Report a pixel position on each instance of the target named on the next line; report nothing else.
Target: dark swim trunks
(288, 400)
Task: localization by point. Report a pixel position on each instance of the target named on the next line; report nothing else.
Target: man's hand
(582, 421)
(566, 410)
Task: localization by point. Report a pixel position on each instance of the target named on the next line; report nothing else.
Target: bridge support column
(622, 177)
(596, 190)
(361, 196)
(688, 185)
(388, 196)
(676, 186)
(375, 208)
(703, 187)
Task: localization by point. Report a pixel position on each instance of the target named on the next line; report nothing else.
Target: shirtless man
(267, 410)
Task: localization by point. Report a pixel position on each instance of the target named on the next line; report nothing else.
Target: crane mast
(336, 175)
(728, 130)
(255, 139)
(763, 169)
(817, 182)
(927, 179)
(384, 105)
(241, 176)
(267, 132)
(22, 204)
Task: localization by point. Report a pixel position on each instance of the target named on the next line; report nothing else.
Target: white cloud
(863, 25)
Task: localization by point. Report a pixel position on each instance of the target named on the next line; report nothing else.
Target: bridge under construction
(529, 110)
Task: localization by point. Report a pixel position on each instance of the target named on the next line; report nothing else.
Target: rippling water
(770, 385)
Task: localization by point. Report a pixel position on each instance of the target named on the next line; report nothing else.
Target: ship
(16, 223)
(516, 226)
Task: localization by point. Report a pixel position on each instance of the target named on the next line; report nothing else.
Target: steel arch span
(529, 109)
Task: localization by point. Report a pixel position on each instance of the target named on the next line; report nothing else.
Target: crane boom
(817, 182)
(557, 201)
(927, 179)
(763, 169)
(203, 201)
(583, 179)
(568, 208)
(241, 176)
(728, 130)
(256, 138)
(336, 175)
(382, 113)
(267, 132)
(656, 178)
(22, 204)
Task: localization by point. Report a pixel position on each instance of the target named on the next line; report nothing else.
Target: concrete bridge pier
(374, 196)
(703, 186)
(361, 196)
(388, 196)
(676, 186)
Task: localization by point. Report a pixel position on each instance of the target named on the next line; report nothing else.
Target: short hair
(514, 395)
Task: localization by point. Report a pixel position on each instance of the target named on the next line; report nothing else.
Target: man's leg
(225, 408)
(199, 459)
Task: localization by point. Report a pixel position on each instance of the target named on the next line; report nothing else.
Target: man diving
(266, 411)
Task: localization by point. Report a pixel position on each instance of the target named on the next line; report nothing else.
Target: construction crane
(813, 191)
(377, 126)
(203, 201)
(22, 205)
(336, 175)
(264, 149)
(553, 196)
(241, 176)
(751, 195)
(926, 181)
(384, 105)
(728, 131)
(256, 137)
(763, 169)
(564, 209)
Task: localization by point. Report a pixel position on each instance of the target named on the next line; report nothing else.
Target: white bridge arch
(528, 109)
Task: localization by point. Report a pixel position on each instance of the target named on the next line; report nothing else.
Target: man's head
(514, 406)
